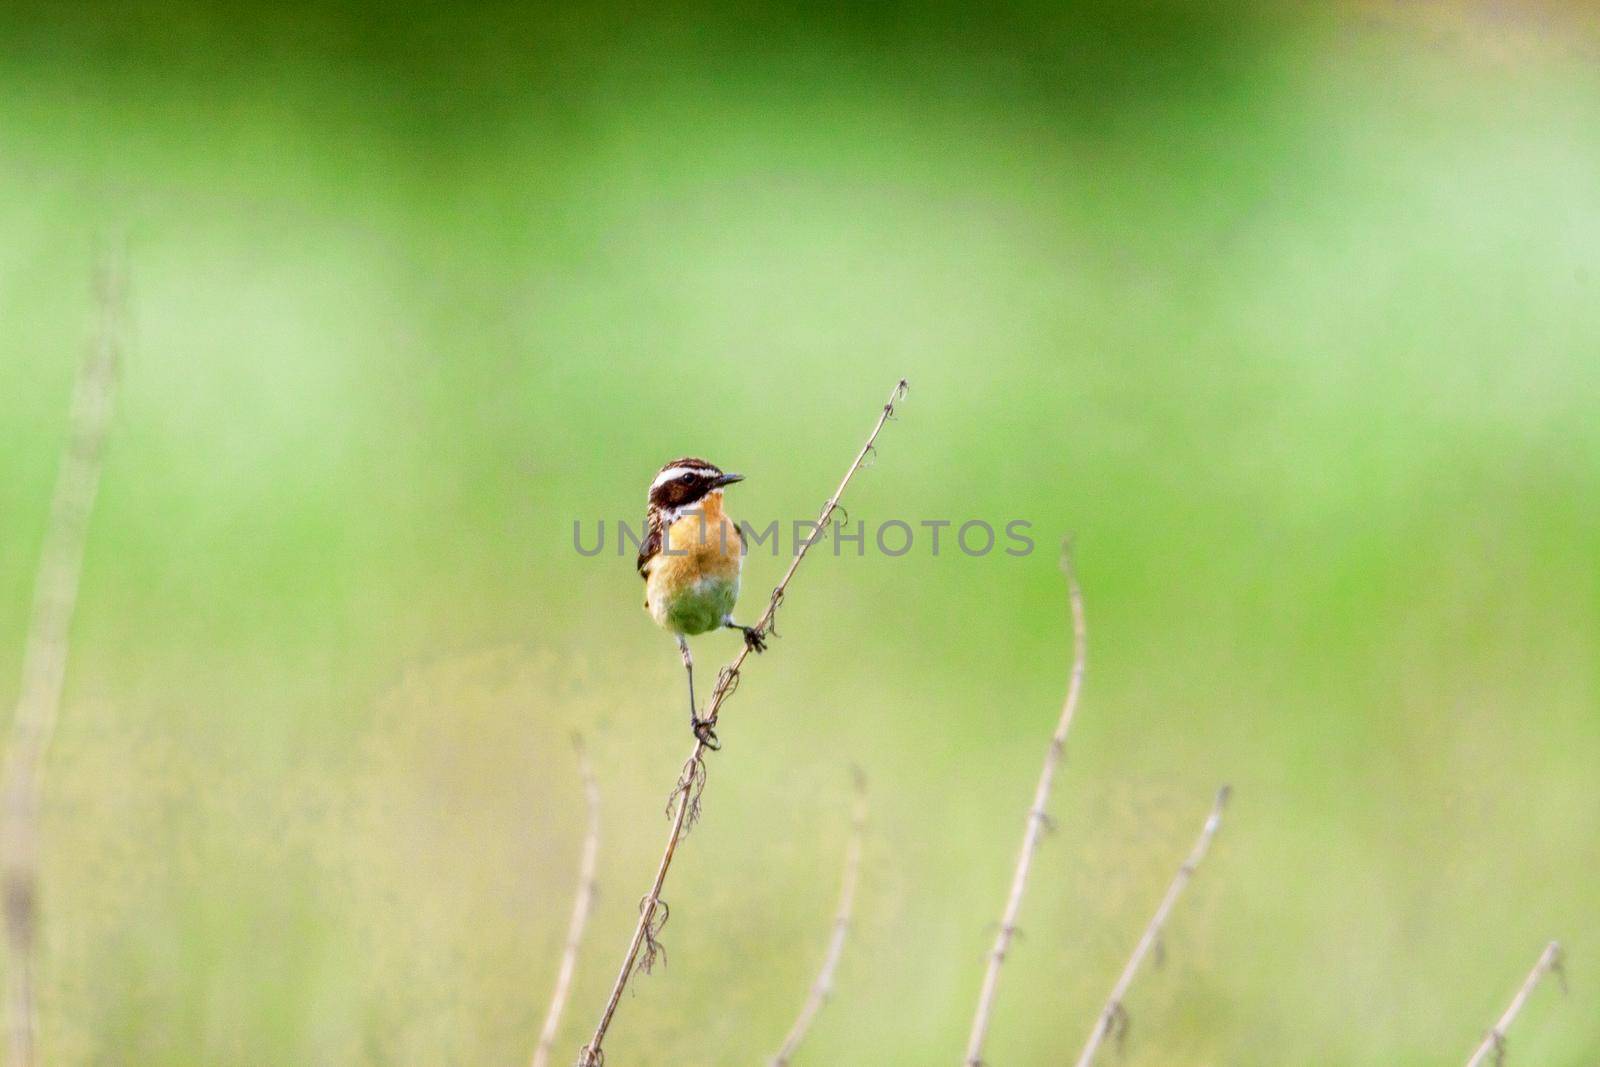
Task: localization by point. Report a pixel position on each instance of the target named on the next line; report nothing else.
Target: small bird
(690, 562)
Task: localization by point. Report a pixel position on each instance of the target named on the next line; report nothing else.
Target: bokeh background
(1289, 313)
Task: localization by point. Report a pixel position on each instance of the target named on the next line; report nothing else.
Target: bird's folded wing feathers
(652, 542)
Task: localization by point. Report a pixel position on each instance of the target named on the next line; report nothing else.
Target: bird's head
(685, 481)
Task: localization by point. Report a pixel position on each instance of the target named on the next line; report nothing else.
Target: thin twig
(582, 902)
(823, 986)
(691, 781)
(1036, 823)
(44, 661)
(1493, 1048)
(1114, 1016)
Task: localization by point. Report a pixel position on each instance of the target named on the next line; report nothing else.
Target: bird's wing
(652, 542)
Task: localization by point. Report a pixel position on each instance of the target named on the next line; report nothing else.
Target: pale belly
(693, 607)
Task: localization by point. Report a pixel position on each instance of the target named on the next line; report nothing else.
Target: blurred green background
(1289, 314)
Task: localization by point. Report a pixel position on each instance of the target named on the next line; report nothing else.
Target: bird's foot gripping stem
(705, 732)
(754, 639)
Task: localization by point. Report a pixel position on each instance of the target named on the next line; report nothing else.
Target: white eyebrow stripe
(672, 472)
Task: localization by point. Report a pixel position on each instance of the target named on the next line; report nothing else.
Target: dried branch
(823, 986)
(1114, 1017)
(691, 781)
(582, 902)
(44, 661)
(1036, 822)
(1493, 1048)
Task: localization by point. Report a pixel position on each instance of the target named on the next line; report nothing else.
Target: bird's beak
(727, 479)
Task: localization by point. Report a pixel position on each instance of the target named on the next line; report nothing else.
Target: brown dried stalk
(582, 903)
(685, 803)
(1114, 1017)
(1036, 822)
(823, 986)
(1493, 1048)
(44, 661)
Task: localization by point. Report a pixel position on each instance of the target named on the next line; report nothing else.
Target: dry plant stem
(582, 903)
(686, 794)
(1114, 1013)
(1037, 820)
(1494, 1042)
(823, 986)
(45, 661)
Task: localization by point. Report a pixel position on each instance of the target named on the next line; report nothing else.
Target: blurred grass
(1291, 318)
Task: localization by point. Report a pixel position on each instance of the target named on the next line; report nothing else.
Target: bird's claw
(706, 734)
(754, 640)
